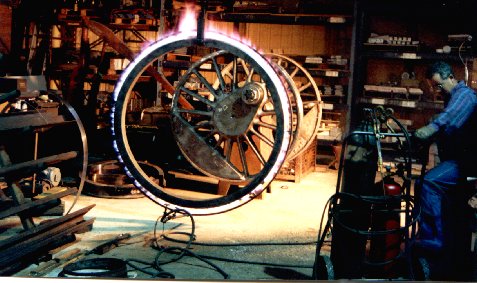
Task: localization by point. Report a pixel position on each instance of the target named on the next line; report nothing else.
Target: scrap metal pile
(29, 185)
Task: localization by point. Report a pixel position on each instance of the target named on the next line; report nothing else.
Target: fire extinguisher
(386, 217)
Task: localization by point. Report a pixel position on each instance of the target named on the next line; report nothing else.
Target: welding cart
(372, 217)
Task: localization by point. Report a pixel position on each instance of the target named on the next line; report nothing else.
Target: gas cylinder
(386, 217)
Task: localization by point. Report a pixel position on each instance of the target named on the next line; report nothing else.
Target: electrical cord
(160, 274)
(374, 200)
(184, 252)
(168, 215)
(172, 214)
(320, 230)
(249, 262)
(157, 263)
(180, 252)
(236, 244)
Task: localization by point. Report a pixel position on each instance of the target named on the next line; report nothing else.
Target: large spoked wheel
(230, 134)
(294, 98)
(238, 132)
(311, 101)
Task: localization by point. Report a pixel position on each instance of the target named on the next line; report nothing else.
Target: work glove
(425, 132)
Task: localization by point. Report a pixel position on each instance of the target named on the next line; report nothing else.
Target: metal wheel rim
(133, 170)
(313, 115)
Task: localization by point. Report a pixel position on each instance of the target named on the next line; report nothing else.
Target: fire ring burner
(251, 159)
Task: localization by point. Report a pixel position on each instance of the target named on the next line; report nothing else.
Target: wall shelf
(297, 19)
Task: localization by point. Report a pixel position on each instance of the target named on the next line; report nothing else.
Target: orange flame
(188, 20)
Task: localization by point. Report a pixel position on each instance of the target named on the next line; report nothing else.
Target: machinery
(29, 184)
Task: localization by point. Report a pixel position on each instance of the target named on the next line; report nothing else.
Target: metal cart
(371, 219)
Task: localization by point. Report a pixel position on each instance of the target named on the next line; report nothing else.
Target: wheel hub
(235, 113)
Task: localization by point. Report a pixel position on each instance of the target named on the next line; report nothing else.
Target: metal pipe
(201, 22)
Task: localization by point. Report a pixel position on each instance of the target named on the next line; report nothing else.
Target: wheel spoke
(301, 89)
(250, 75)
(228, 148)
(267, 113)
(206, 83)
(207, 125)
(292, 74)
(195, 112)
(197, 96)
(265, 125)
(262, 137)
(219, 73)
(245, 68)
(254, 149)
(234, 74)
(243, 159)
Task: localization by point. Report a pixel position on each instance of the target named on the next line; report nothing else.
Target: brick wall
(5, 28)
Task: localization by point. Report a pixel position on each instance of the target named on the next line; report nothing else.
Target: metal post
(201, 22)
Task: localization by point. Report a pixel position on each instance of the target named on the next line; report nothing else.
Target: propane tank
(386, 217)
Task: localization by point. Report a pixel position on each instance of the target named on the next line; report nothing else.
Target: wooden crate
(297, 168)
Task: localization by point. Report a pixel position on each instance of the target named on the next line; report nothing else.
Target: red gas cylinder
(386, 217)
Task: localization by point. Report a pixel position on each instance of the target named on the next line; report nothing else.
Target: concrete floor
(287, 216)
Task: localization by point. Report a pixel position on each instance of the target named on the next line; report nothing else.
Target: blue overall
(456, 140)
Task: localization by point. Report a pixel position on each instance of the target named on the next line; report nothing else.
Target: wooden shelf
(401, 103)
(402, 55)
(331, 73)
(297, 19)
(329, 106)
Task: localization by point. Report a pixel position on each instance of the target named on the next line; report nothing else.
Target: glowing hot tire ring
(122, 93)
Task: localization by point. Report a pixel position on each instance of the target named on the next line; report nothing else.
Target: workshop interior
(240, 140)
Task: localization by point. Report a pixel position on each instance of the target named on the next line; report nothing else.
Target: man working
(454, 131)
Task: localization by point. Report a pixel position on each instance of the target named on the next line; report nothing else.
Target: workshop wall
(281, 38)
(286, 39)
(5, 28)
(289, 39)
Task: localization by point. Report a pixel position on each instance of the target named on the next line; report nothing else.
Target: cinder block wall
(5, 28)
